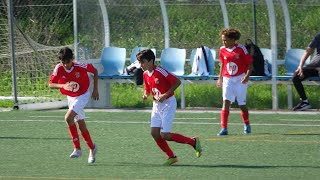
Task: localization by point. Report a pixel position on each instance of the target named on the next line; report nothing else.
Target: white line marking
(195, 118)
(147, 122)
(52, 117)
(89, 117)
(301, 120)
(46, 116)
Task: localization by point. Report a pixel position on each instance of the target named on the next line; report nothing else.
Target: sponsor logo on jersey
(232, 68)
(156, 93)
(74, 86)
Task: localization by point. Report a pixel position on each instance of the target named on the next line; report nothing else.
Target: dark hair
(146, 54)
(231, 33)
(65, 54)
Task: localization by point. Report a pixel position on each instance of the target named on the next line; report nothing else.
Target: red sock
(245, 117)
(182, 139)
(87, 139)
(163, 145)
(224, 114)
(74, 136)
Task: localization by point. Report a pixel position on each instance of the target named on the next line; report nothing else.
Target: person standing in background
(235, 69)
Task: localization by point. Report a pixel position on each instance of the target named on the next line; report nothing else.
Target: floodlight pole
(165, 24)
(224, 13)
(13, 58)
(75, 30)
(106, 24)
(274, 49)
(287, 22)
(254, 9)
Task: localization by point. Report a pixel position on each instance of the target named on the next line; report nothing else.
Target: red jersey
(158, 82)
(235, 61)
(77, 76)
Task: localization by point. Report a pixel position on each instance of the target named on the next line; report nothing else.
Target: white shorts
(232, 89)
(163, 114)
(77, 105)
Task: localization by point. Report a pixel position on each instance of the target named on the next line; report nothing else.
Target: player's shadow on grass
(213, 166)
(33, 138)
(281, 134)
(243, 166)
(302, 134)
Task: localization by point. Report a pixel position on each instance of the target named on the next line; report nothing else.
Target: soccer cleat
(303, 105)
(197, 146)
(92, 154)
(76, 153)
(223, 132)
(247, 129)
(171, 161)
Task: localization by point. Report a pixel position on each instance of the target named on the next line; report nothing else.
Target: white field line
(201, 110)
(301, 120)
(195, 118)
(20, 98)
(49, 116)
(147, 122)
(89, 117)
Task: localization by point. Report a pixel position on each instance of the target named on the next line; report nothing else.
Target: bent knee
(155, 135)
(296, 78)
(166, 136)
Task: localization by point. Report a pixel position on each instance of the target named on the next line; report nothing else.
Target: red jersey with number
(77, 76)
(235, 60)
(159, 81)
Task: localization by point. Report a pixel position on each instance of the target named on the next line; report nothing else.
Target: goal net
(42, 27)
(37, 40)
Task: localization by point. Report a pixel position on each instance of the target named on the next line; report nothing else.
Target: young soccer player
(162, 84)
(235, 69)
(72, 79)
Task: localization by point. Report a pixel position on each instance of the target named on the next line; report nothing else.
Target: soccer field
(36, 145)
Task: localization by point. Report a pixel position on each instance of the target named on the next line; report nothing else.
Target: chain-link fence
(41, 27)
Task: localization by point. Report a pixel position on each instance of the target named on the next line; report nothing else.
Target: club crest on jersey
(77, 74)
(156, 81)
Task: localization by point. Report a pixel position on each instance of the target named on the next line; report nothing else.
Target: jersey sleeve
(171, 78)
(220, 55)
(90, 68)
(54, 77)
(248, 59)
(246, 56)
(146, 85)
